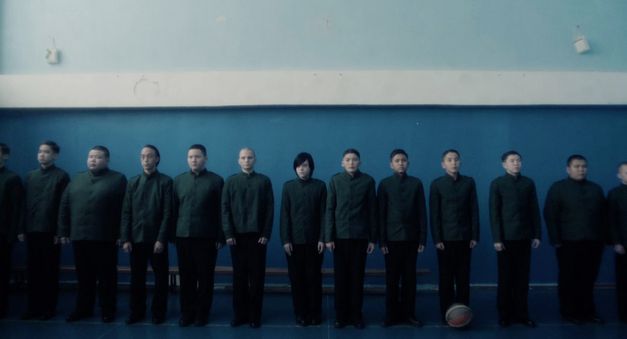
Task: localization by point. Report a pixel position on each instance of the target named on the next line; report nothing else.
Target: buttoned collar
(201, 173)
(45, 170)
(303, 181)
(580, 182)
(248, 175)
(356, 175)
(151, 175)
(400, 177)
(99, 173)
(513, 177)
(453, 179)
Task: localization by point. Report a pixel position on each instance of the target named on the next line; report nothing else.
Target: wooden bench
(19, 273)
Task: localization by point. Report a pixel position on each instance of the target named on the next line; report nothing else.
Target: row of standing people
(209, 213)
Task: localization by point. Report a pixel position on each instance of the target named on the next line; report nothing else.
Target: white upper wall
(384, 45)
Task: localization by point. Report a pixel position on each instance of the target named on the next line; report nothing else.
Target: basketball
(458, 315)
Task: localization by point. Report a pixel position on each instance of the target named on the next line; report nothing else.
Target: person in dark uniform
(247, 216)
(351, 234)
(575, 215)
(403, 231)
(89, 217)
(303, 206)
(455, 230)
(199, 236)
(11, 209)
(44, 187)
(515, 221)
(146, 218)
(617, 206)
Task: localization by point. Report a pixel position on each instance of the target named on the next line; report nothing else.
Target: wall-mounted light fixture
(580, 42)
(53, 55)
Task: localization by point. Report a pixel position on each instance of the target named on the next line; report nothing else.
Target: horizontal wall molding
(264, 88)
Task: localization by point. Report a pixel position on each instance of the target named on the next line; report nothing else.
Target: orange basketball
(458, 315)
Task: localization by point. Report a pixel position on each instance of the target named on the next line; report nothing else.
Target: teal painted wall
(201, 35)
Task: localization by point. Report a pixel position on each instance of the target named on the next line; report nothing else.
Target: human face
(196, 160)
(451, 163)
(577, 169)
(512, 164)
(96, 160)
(149, 159)
(622, 174)
(399, 164)
(246, 160)
(350, 163)
(304, 171)
(46, 156)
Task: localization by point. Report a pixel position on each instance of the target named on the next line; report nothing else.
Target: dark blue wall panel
(544, 135)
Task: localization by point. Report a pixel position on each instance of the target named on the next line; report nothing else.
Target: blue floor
(278, 320)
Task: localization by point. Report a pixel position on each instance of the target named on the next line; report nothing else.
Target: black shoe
(134, 318)
(30, 316)
(573, 320)
(359, 324)
(300, 321)
(254, 324)
(107, 318)
(184, 322)
(595, 319)
(76, 316)
(237, 322)
(504, 323)
(414, 322)
(47, 316)
(339, 324)
(315, 321)
(529, 323)
(201, 322)
(158, 319)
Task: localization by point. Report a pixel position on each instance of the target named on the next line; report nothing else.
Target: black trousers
(400, 269)
(349, 264)
(513, 280)
(304, 268)
(578, 266)
(454, 274)
(197, 263)
(621, 285)
(5, 274)
(42, 272)
(141, 254)
(249, 271)
(96, 268)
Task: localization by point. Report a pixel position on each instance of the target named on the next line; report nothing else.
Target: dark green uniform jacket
(303, 204)
(44, 188)
(147, 209)
(514, 209)
(247, 205)
(11, 204)
(617, 202)
(91, 206)
(351, 208)
(575, 210)
(197, 205)
(454, 209)
(402, 210)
